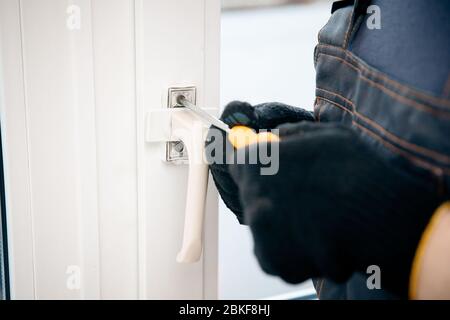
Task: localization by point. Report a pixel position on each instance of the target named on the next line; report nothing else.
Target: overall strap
(346, 15)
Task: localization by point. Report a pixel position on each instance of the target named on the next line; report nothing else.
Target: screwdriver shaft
(203, 114)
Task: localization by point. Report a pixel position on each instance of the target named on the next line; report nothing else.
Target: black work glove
(261, 116)
(333, 208)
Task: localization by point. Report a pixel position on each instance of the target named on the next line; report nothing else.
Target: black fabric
(341, 4)
(355, 288)
(333, 208)
(385, 87)
(262, 116)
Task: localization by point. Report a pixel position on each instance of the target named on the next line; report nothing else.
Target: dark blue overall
(397, 100)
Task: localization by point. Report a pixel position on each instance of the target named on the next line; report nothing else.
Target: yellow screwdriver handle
(241, 136)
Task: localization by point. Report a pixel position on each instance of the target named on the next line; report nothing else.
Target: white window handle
(188, 129)
(180, 124)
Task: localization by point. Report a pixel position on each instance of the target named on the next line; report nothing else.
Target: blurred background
(242, 4)
(266, 55)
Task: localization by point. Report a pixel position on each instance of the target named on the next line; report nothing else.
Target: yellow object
(241, 136)
(423, 243)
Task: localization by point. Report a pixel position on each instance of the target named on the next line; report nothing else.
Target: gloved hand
(333, 208)
(261, 116)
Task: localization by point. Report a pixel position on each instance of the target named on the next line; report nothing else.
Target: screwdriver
(239, 136)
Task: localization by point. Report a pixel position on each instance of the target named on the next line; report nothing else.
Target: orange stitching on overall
(409, 145)
(318, 108)
(405, 100)
(349, 27)
(319, 289)
(353, 29)
(336, 104)
(319, 35)
(338, 95)
(433, 99)
(394, 149)
(430, 153)
(443, 102)
(390, 146)
(396, 96)
(446, 91)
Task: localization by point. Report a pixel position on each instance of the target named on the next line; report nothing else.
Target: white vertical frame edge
(17, 175)
(83, 188)
(212, 99)
(177, 44)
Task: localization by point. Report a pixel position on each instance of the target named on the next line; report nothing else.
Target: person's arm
(261, 116)
(333, 208)
(430, 276)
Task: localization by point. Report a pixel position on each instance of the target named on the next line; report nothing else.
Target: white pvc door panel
(117, 119)
(182, 22)
(86, 196)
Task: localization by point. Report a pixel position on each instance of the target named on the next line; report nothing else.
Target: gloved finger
(272, 114)
(239, 113)
(263, 116)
